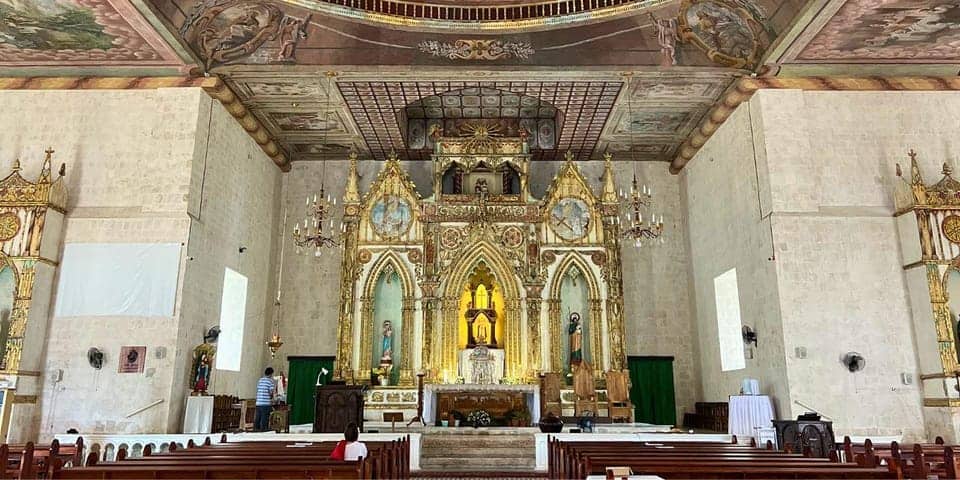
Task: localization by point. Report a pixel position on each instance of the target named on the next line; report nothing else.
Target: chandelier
(313, 236)
(641, 197)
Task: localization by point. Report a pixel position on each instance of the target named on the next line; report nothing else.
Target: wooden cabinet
(798, 435)
(337, 406)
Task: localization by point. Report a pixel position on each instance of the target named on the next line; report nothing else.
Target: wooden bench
(699, 460)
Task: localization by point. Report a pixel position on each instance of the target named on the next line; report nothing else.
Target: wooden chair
(550, 385)
(619, 408)
(585, 389)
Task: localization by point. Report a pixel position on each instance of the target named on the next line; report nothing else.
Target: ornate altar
(479, 263)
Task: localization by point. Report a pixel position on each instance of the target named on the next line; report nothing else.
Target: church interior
(511, 238)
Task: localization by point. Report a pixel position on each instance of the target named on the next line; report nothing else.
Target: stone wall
(135, 168)
(658, 318)
(729, 227)
(825, 165)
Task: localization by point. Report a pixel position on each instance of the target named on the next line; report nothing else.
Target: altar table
(747, 413)
(431, 391)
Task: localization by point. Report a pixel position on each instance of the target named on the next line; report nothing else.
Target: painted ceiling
(633, 77)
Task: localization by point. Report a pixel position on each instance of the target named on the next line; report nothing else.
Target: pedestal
(198, 416)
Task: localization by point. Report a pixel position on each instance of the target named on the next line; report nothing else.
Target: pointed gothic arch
(595, 317)
(388, 260)
(512, 293)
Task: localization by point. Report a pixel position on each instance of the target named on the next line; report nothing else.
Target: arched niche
(387, 296)
(574, 288)
(509, 328)
(8, 295)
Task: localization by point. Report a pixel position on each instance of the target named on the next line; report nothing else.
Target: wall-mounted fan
(95, 357)
(749, 336)
(212, 334)
(854, 361)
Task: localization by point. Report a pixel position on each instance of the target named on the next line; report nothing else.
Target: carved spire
(568, 156)
(45, 170)
(916, 180)
(16, 164)
(609, 186)
(352, 194)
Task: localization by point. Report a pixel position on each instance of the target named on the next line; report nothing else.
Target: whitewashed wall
(658, 318)
(134, 163)
(825, 164)
(729, 228)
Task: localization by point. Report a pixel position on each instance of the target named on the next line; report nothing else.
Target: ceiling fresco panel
(98, 33)
(901, 31)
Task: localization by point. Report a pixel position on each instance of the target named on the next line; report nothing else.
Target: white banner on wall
(118, 279)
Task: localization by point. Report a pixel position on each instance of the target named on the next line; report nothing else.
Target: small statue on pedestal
(201, 368)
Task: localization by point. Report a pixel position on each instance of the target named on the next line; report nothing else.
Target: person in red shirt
(349, 449)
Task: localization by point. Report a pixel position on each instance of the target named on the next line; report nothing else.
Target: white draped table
(198, 416)
(430, 392)
(747, 413)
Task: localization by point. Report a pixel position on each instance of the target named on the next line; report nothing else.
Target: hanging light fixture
(318, 231)
(640, 198)
(275, 341)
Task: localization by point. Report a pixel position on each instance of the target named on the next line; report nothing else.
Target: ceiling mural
(731, 32)
(79, 32)
(909, 31)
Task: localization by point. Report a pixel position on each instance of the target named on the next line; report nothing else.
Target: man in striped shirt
(265, 389)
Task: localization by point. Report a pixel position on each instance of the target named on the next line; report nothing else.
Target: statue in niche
(386, 343)
(575, 331)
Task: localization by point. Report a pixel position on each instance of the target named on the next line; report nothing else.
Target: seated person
(349, 449)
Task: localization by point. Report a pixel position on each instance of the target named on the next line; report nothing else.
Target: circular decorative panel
(570, 218)
(512, 237)
(451, 238)
(951, 228)
(9, 226)
(391, 216)
(364, 256)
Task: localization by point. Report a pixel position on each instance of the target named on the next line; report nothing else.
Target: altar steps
(478, 452)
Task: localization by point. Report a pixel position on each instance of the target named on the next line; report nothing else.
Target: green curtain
(651, 390)
(302, 383)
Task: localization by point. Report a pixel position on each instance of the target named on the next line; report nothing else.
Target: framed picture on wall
(132, 359)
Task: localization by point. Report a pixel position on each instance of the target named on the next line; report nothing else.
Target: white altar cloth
(465, 369)
(198, 416)
(430, 391)
(748, 413)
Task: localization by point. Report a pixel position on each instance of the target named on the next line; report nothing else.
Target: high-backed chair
(585, 389)
(550, 385)
(619, 408)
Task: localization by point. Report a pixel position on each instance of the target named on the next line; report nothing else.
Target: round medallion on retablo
(9, 226)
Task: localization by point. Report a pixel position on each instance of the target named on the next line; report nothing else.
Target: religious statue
(201, 368)
(575, 330)
(386, 344)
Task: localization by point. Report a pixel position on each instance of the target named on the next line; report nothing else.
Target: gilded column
(426, 362)
(942, 319)
(533, 304)
(349, 271)
(596, 333)
(556, 346)
(366, 334)
(18, 319)
(408, 329)
(449, 338)
(513, 354)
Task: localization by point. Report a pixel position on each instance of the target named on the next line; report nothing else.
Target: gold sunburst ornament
(480, 136)
(9, 226)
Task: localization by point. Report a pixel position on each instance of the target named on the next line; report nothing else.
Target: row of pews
(209, 460)
(920, 461)
(688, 460)
(250, 460)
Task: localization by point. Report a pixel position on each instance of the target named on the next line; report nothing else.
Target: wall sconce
(749, 336)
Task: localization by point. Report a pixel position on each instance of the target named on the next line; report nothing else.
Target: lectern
(337, 406)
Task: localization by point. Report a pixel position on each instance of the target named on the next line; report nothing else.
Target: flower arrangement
(479, 418)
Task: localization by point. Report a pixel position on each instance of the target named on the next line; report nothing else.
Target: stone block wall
(138, 165)
(824, 164)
